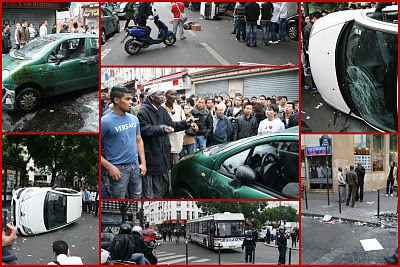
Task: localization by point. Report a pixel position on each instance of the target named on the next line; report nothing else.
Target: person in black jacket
(360, 170)
(140, 246)
(205, 122)
(246, 125)
(266, 13)
(144, 10)
(249, 243)
(289, 117)
(5, 41)
(251, 15)
(281, 242)
(155, 125)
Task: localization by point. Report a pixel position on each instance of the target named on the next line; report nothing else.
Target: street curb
(348, 219)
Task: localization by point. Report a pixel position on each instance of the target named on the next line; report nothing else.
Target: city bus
(226, 230)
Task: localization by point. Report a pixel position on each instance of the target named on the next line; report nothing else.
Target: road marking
(192, 33)
(176, 261)
(161, 252)
(165, 254)
(172, 257)
(104, 53)
(202, 260)
(215, 54)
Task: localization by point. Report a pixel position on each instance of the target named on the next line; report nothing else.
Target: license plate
(231, 246)
(9, 101)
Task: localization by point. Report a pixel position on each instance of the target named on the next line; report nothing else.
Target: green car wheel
(27, 100)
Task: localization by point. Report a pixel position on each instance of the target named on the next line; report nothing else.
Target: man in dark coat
(251, 15)
(144, 10)
(360, 170)
(155, 125)
(129, 13)
(352, 182)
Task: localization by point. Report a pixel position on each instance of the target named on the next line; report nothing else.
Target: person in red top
(176, 9)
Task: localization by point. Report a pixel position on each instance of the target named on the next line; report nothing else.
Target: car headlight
(27, 194)
(5, 74)
(27, 230)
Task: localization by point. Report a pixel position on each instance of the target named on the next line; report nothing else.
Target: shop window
(362, 144)
(178, 215)
(377, 152)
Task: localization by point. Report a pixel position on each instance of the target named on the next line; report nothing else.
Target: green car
(50, 65)
(259, 167)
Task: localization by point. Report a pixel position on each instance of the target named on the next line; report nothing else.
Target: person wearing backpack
(123, 246)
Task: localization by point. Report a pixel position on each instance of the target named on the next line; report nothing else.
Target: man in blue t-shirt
(122, 144)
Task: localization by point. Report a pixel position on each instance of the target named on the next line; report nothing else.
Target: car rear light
(27, 230)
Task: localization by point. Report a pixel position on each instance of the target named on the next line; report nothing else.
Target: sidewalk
(362, 212)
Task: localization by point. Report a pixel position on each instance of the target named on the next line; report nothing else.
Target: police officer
(250, 244)
(281, 242)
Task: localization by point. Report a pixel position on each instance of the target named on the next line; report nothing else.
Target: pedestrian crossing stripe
(176, 261)
(201, 260)
(169, 256)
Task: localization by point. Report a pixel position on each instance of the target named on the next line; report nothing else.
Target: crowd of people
(24, 33)
(273, 17)
(160, 129)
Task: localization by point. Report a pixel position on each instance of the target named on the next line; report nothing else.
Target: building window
(178, 204)
(188, 215)
(377, 152)
(178, 215)
(362, 143)
(393, 149)
(193, 217)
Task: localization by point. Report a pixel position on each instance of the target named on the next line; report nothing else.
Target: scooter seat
(146, 28)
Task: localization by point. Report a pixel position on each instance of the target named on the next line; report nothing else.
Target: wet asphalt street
(72, 112)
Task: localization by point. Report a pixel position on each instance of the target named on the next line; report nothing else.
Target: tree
(284, 213)
(69, 155)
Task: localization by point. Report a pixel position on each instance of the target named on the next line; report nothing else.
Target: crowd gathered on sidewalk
(160, 129)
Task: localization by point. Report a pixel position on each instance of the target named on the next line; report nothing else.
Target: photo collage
(199, 133)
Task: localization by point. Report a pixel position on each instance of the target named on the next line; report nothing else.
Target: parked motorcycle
(140, 36)
(106, 258)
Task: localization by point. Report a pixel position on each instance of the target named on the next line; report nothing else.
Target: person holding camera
(222, 127)
(8, 237)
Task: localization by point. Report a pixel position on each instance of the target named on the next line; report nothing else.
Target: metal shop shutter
(279, 84)
(35, 16)
(209, 89)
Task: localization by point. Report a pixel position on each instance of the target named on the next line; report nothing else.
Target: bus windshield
(230, 228)
(55, 210)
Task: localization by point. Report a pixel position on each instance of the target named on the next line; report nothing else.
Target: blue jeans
(187, 150)
(234, 25)
(273, 34)
(240, 29)
(265, 25)
(140, 257)
(251, 27)
(130, 180)
(201, 142)
(282, 29)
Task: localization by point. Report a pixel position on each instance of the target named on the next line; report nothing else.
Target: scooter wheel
(131, 48)
(170, 40)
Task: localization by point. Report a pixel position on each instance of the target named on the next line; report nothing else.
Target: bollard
(305, 195)
(290, 256)
(187, 254)
(327, 186)
(340, 201)
(219, 253)
(378, 204)
(254, 254)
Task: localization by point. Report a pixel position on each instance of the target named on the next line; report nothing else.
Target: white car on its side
(354, 63)
(37, 210)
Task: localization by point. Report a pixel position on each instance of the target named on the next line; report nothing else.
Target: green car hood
(10, 63)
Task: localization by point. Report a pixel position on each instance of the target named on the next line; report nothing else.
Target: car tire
(183, 193)
(103, 36)
(292, 32)
(27, 100)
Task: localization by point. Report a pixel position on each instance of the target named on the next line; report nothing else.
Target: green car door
(280, 182)
(67, 65)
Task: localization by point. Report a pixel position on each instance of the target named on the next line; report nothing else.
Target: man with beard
(156, 125)
(205, 123)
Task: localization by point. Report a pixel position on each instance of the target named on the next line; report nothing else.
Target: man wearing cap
(156, 125)
(122, 144)
(271, 124)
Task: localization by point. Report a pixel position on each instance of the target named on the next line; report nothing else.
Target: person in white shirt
(62, 255)
(43, 29)
(16, 36)
(271, 124)
(274, 23)
(282, 21)
(93, 201)
(32, 32)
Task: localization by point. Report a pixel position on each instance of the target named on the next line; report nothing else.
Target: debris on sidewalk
(331, 222)
(327, 218)
(371, 244)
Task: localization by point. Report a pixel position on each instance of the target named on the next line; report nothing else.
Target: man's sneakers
(391, 260)
(183, 38)
(387, 195)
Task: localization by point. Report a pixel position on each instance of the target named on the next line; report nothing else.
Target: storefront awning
(165, 78)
